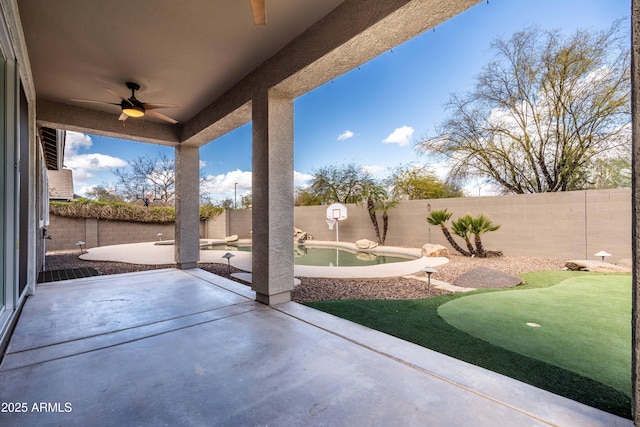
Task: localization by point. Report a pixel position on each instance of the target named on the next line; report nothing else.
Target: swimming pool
(326, 257)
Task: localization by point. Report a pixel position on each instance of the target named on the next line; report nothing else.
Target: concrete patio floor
(172, 347)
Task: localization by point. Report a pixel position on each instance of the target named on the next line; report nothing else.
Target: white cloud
(400, 136)
(224, 185)
(84, 166)
(74, 142)
(345, 135)
(93, 162)
(301, 179)
(203, 164)
(374, 169)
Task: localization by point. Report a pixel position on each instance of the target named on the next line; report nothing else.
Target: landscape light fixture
(80, 243)
(429, 271)
(228, 257)
(602, 254)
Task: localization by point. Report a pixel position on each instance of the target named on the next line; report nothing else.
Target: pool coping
(151, 253)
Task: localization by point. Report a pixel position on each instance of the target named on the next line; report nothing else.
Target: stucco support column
(272, 197)
(187, 247)
(635, 197)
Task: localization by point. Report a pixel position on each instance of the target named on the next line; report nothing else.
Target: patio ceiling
(207, 57)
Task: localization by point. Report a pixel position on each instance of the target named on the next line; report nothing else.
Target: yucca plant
(440, 218)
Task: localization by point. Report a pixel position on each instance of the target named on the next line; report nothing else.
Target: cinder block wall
(570, 225)
(65, 232)
(119, 232)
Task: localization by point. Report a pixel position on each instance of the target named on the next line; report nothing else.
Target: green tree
(543, 111)
(246, 201)
(348, 183)
(305, 197)
(341, 184)
(411, 182)
(101, 193)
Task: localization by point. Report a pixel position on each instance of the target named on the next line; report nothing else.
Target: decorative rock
(299, 236)
(365, 244)
(625, 262)
(486, 278)
(232, 238)
(433, 250)
(599, 266)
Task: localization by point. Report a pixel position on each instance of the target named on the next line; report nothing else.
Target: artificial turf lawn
(585, 325)
(418, 321)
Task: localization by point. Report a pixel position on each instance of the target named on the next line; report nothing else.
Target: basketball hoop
(336, 212)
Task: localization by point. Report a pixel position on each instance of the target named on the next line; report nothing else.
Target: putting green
(583, 324)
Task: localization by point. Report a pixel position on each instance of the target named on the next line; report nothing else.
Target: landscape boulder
(299, 236)
(433, 250)
(599, 266)
(486, 278)
(365, 244)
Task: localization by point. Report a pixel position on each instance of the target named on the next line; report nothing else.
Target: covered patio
(185, 347)
(182, 346)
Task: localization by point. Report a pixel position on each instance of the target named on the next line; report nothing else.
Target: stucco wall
(564, 225)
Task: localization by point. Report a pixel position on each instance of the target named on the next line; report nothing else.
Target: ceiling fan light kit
(133, 110)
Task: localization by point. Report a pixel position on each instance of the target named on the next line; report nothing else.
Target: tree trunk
(452, 242)
(469, 245)
(374, 219)
(385, 226)
(480, 252)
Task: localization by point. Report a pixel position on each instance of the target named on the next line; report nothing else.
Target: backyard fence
(571, 225)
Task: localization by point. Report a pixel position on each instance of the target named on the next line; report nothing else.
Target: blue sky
(371, 116)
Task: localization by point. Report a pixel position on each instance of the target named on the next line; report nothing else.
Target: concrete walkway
(188, 348)
(154, 254)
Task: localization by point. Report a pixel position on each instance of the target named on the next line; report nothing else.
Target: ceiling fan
(131, 107)
(259, 12)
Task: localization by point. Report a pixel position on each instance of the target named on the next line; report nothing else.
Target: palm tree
(384, 206)
(479, 226)
(460, 227)
(371, 194)
(440, 217)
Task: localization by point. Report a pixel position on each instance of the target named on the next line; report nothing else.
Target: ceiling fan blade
(94, 102)
(161, 116)
(117, 96)
(258, 9)
(155, 106)
(123, 117)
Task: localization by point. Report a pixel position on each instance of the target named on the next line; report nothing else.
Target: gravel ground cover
(321, 289)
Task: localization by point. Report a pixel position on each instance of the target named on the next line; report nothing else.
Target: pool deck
(155, 254)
